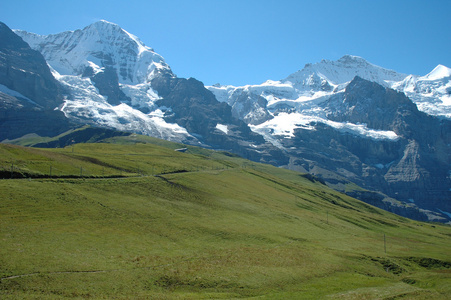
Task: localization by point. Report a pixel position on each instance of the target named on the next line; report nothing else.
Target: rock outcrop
(29, 93)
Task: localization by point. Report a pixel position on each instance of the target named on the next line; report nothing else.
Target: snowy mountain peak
(104, 25)
(342, 71)
(439, 72)
(98, 46)
(352, 59)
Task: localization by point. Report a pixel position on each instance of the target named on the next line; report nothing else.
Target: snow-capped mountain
(267, 105)
(107, 72)
(335, 73)
(343, 121)
(359, 111)
(301, 94)
(431, 93)
(98, 46)
(113, 80)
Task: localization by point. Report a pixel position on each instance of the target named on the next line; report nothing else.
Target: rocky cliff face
(29, 93)
(25, 71)
(367, 102)
(413, 168)
(351, 121)
(195, 108)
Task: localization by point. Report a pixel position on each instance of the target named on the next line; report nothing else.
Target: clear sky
(242, 42)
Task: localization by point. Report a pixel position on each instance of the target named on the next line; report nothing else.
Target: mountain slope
(28, 91)
(341, 71)
(328, 119)
(339, 120)
(431, 93)
(97, 47)
(214, 226)
(115, 81)
(25, 71)
(106, 71)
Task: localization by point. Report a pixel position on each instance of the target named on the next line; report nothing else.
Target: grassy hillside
(137, 220)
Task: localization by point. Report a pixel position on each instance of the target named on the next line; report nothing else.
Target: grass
(200, 225)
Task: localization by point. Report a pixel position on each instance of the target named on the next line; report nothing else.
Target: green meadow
(133, 219)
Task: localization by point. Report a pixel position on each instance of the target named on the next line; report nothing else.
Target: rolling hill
(129, 217)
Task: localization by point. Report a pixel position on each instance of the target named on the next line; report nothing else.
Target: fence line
(48, 169)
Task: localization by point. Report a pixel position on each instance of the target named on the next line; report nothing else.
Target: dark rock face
(368, 102)
(17, 123)
(108, 84)
(25, 71)
(413, 168)
(195, 108)
(250, 108)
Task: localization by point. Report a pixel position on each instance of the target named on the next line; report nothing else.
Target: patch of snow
(87, 104)
(222, 93)
(141, 95)
(284, 125)
(342, 71)
(222, 128)
(96, 69)
(363, 130)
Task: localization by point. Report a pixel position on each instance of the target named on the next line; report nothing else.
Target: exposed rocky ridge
(195, 108)
(17, 123)
(25, 71)
(342, 119)
(107, 83)
(412, 168)
(30, 93)
(370, 103)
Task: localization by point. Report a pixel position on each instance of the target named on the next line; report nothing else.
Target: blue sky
(242, 42)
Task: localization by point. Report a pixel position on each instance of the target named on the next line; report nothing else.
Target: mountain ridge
(348, 117)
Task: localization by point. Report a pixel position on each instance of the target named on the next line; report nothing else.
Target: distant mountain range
(347, 122)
